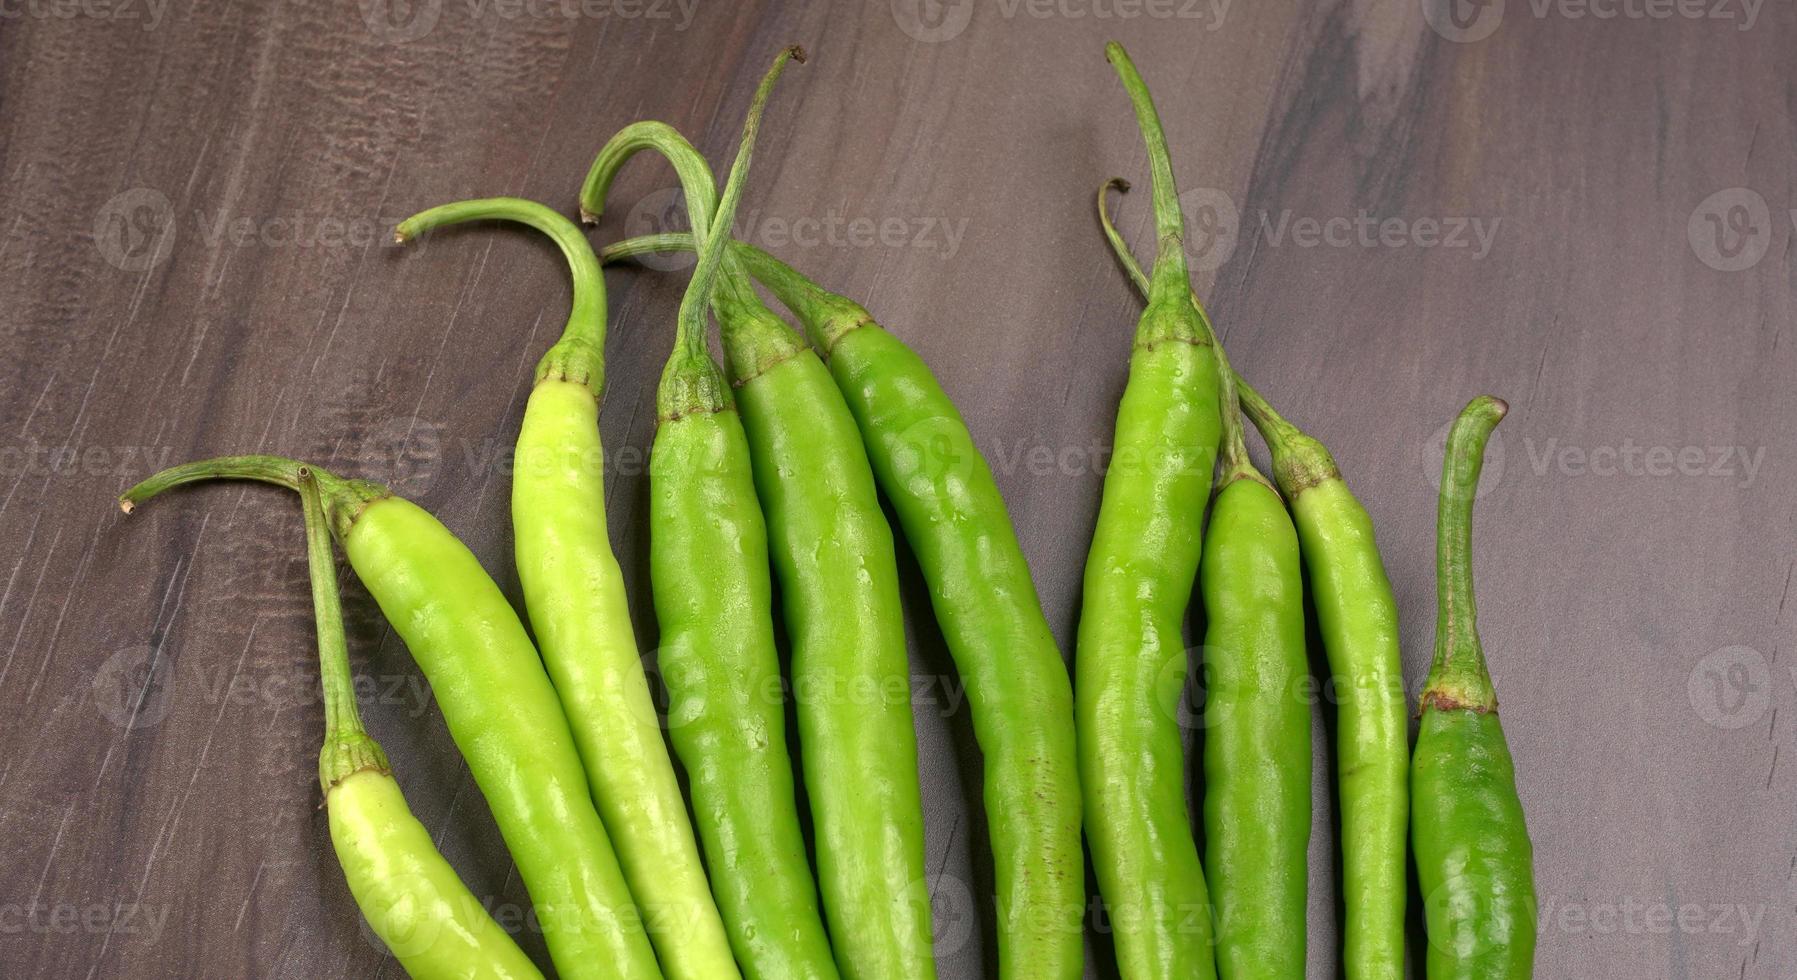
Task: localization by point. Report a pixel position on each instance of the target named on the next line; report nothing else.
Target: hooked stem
(344, 500)
(1118, 247)
(579, 356)
(1459, 678)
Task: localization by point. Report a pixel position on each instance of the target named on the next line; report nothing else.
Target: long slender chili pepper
(708, 563)
(1131, 662)
(410, 895)
(1358, 619)
(1473, 856)
(574, 593)
(833, 555)
(1017, 686)
(495, 697)
(1257, 742)
(1257, 734)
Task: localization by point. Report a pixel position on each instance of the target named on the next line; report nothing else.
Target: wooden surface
(194, 260)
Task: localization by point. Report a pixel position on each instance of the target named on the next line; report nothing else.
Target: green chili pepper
(1257, 721)
(412, 898)
(1257, 740)
(1473, 857)
(1017, 686)
(1358, 618)
(409, 894)
(708, 563)
(1131, 662)
(833, 555)
(574, 594)
(495, 697)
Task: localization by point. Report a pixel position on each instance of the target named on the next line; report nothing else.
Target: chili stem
(1458, 677)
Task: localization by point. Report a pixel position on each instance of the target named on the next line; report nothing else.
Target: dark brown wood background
(194, 260)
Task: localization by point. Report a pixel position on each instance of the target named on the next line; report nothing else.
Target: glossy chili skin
(1357, 617)
(498, 703)
(1474, 860)
(574, 594)
(1018, 687)
(409, 894)
(1257, 748)
(708, 561)
(1131, 660)
(834, 559)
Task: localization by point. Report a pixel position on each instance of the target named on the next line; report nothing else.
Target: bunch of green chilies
(776, 459)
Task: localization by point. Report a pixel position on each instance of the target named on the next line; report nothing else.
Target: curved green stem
(348, 749)
(1170, 254)
(579, 356)
(1118, 247)
(1299, 461)
(343, 499)
(712, 250)
(1458, 678)
(648, 134)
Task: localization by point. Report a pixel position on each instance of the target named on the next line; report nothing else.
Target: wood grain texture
(194, 260)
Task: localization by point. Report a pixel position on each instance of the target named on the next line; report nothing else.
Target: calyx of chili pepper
(1299, 461)
(579, 356)
(348, 748)
(1458, 678)
(343, 500)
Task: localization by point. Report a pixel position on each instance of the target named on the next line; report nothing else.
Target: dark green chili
(1358, 618)
(1017, 686)
(574, 594)
(495, 697)
(1473, 857)
(1257, 738)
(1131, 663)
(833, 555)
(1256, 719)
